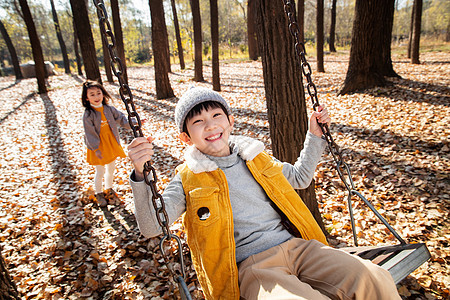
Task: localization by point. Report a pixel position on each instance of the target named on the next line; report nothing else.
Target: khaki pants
(300, 269)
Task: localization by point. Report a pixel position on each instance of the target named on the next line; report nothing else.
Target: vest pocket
(203, 206)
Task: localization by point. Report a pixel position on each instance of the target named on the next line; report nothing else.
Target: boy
(236, 199)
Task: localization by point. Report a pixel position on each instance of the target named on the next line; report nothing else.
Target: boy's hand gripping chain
(341, 167)
(135, 123)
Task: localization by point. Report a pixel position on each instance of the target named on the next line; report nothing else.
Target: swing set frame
(400, 260)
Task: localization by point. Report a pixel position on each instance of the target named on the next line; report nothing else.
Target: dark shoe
(111, 194)
(101, 199)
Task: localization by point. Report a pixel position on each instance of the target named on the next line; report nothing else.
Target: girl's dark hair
(196, 110)
(90, 84)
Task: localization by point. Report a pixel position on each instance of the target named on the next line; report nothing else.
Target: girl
(100, 122)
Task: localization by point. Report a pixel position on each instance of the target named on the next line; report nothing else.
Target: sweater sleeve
(92, 138)
(174, 200)
(120, 117)
(301, 173)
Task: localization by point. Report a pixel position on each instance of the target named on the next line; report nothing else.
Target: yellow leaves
(58, 226)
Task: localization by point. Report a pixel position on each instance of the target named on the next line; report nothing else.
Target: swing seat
(400, 260)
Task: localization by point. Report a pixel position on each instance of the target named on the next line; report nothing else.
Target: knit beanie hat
(192, 97)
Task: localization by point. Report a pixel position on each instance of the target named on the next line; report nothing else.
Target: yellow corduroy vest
(208, 221)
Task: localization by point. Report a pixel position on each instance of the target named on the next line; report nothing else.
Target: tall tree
(319, 36)
(117, 24)
(36, 48)
(364, 68)
(75, 49)
(197, 22)
(12, 52)
(178, 35)
(62, 45)
(251, 31)
(215, 44)
(85, 38)
(415, 44)
(301, 19)
(159, 46)
(387, 11)
(286, 107)
(333, 26)
(8, 289)
(107, 61)
(411, 29)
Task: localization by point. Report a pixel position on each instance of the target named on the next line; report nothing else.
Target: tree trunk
(286, 107)
(215, 44)
(160, 53)
(251, 33)
(12, 52)
(411, 29)
(107, 61)
(115, 12)
(197, 21)
(364, 66)
(8, 289)
(86, 40)
(333, 26)
(301, 19)
(178, 35)
(62, 45)
(75, 49)
(415, 45)
(386, 12)
(319, 36)
(35, 47)
(447, 35)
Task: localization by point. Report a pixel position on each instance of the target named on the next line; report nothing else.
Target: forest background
(135, 18)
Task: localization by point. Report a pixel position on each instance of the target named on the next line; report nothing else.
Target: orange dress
(108, 145)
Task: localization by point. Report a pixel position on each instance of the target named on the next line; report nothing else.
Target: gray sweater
(92, 120)
(257, 225)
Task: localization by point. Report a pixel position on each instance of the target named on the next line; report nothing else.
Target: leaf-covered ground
(59, 244)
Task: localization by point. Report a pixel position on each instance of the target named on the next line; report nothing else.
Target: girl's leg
(99, 172)
(109, 177)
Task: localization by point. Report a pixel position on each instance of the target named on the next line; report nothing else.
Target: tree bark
(160, 50)
(319, 36)
(215, 44)
(8, 289)
(115, 12)
(75, 49)
(35, 47)
(12, 52)
(86, 40)
(251, 33)
(415, 45)
(333, 26)
(285, 97)
(411, 29)
(178, 35)
(62, 45)
(197, 21)
(301, 19)
(107, 61)
(365, 56)
(386, 12)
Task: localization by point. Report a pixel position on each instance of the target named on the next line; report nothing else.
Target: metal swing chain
(341, 166)
(136, 126)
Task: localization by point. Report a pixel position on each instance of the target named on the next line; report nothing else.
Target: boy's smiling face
(209, 131)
